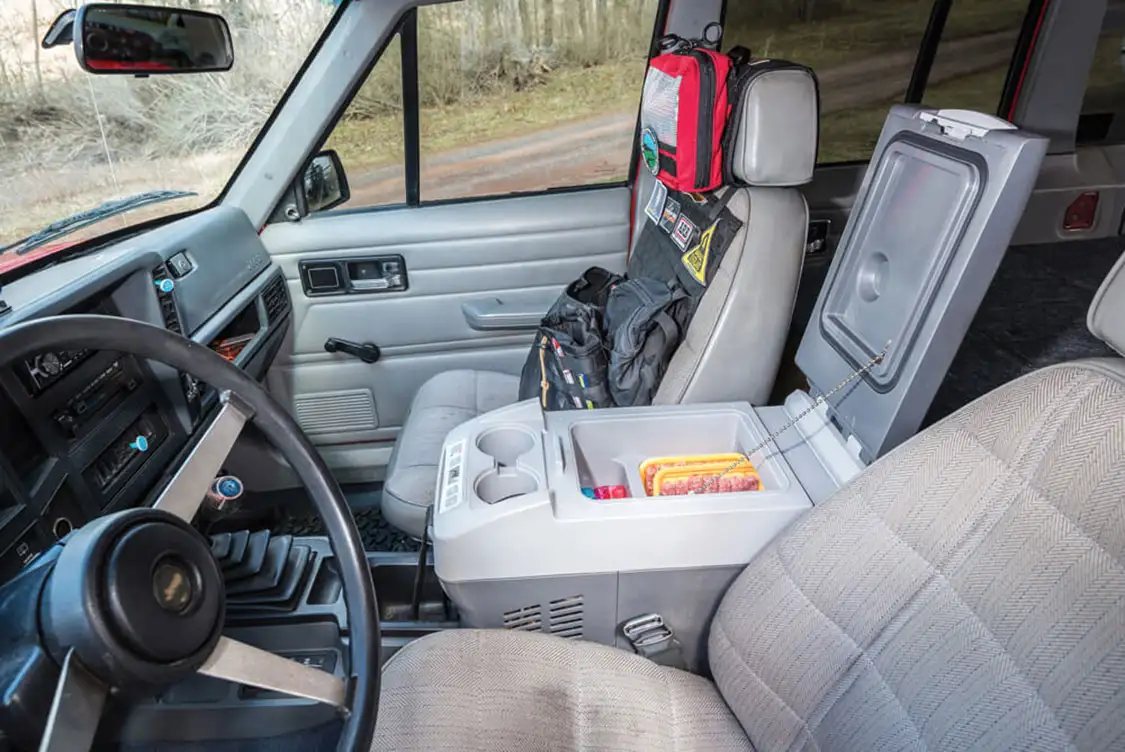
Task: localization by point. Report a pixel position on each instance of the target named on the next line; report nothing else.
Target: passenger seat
(733, 346)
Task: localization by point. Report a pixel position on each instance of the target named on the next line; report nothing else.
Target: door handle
(367, 352)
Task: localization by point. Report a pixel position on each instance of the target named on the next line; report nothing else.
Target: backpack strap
(666, 331)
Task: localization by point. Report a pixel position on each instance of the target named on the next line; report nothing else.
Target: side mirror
(143, 40)
(324, 183)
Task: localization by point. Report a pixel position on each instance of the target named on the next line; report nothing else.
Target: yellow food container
(670, 480)
(650, 467)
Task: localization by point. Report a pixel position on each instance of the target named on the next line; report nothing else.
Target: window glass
(864, 52)
(525, 95)
(974, 55)
(1103, 107)
(369, 136)
(71, 141)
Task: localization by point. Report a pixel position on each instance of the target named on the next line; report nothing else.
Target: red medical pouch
(684, 110)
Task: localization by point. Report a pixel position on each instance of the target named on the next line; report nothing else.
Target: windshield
(120, 150)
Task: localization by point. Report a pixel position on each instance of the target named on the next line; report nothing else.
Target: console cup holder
(505, 445)
(499, 485)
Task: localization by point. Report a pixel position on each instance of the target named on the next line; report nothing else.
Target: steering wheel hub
(139, 597)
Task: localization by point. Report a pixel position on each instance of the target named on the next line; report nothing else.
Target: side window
(527, 95)
(865, 53)
(1103, 106)
(368, 137)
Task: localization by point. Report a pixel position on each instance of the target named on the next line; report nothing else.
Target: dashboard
(86, 432)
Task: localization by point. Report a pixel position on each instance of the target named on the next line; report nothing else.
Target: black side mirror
(324, 184)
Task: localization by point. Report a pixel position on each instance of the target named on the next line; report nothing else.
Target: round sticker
(650, 152)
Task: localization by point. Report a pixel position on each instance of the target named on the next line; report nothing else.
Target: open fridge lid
(934, 215)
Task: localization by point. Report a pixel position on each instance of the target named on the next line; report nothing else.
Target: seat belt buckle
(652, 638)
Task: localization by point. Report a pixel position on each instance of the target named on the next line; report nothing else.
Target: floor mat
(377, 533)
(1034, 315)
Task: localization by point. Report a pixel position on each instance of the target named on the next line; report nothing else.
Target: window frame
(406, 30)
(930, 45)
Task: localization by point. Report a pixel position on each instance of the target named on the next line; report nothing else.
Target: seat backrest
(733, 346)
(967, 591)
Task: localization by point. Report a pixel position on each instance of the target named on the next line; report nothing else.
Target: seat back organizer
(625, 526)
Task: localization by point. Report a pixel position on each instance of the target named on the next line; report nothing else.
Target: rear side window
(865, 54)
(1103, 107)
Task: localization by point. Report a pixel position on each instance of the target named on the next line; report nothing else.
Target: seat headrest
(778, 126)
(1106, 319)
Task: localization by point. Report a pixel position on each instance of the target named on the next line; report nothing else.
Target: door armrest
(525, 313)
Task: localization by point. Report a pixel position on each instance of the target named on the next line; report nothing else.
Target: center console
(519, 545)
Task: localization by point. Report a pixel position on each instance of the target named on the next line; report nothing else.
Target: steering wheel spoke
(185, 492)
(245, 664)
(75, 711)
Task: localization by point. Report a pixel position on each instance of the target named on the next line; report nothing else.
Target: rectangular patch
(670, 215)
(656, 201)
(567, 376)
(683, 232)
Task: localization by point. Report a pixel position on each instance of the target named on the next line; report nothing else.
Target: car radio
(120, 378)
(46, 368)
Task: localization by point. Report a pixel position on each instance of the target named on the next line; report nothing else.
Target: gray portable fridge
(516, 543)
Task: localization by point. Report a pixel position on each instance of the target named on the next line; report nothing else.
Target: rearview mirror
(140, 39)
(324, 182)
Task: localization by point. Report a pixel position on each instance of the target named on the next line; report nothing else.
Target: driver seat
(967, 591)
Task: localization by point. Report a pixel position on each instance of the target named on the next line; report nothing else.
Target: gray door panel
(459, 258)
(831, 194)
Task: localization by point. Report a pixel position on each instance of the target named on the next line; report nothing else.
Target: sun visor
(935, 213)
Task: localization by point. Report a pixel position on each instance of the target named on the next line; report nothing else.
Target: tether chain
(819, 401)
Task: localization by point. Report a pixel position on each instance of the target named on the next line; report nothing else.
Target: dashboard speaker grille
(336, 412)
(276, 299)
(167, 303)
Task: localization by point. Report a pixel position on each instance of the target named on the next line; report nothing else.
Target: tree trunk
(606, 44)
(35, 46)
(548, 23)
(527, 23)
(583, 37)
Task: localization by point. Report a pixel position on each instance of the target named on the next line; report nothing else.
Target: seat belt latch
(652, 638)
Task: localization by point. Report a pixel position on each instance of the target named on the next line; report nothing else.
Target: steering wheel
(135, 602)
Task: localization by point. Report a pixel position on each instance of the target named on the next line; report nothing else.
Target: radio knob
(50, 364)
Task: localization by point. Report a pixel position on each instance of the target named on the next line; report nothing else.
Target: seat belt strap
(652, 638)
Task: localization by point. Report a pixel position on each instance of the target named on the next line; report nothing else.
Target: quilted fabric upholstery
(492, 691)
(965, 592)
(441, 404)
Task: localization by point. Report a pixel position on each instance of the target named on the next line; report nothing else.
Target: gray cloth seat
(443, 403)
(967, 591)
(732, 349)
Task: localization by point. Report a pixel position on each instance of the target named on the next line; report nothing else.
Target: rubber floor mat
(1034, 315)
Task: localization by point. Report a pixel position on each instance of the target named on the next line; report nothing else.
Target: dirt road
(599, 149)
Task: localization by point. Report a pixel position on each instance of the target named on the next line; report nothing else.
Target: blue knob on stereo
(140, 444)
(228, 487)
(165, 285)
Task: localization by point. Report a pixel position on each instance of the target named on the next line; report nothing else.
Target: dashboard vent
(276, 299)
(167, 303)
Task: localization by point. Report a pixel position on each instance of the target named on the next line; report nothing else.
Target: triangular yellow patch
(696, 258)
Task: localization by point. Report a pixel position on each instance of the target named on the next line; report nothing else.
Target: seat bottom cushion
(443, 403)
(470, 690)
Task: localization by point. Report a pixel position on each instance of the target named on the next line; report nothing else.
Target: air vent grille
(565, 617)
(167, 303)
(276, 299)
(525, 619)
